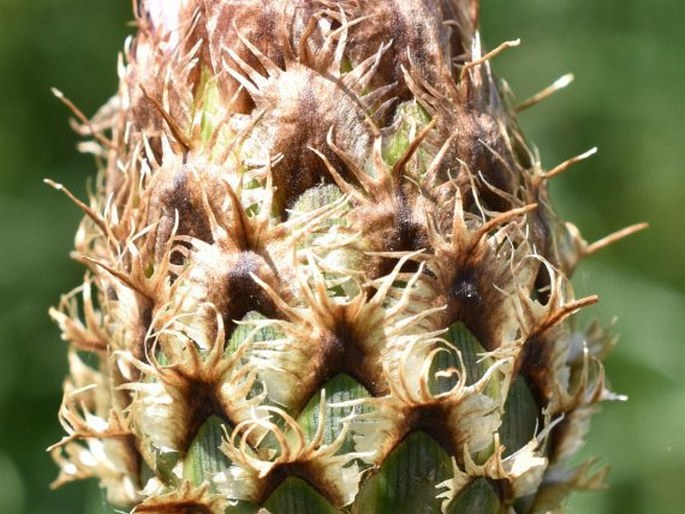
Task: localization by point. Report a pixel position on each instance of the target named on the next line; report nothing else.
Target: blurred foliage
(627, 99)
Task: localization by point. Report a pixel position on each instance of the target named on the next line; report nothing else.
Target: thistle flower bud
(323, 273)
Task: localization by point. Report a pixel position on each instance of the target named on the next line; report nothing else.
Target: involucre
(323, 273)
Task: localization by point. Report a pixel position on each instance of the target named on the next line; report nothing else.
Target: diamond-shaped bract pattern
(323, 273)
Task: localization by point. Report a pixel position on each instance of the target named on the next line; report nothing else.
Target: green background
(627, 56)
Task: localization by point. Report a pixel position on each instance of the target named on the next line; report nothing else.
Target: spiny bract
(323, 273)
